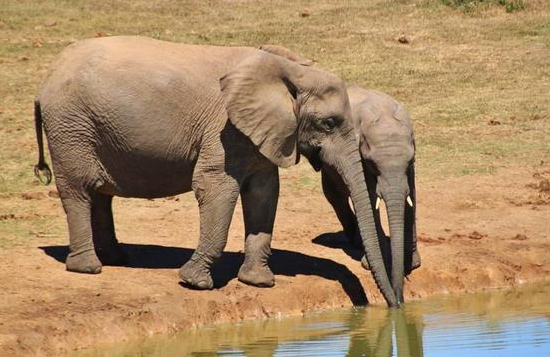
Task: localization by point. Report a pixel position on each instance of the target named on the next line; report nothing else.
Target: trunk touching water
(348, 164)
(395, 205)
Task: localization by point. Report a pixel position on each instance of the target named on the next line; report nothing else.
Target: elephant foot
(114, 256)
(83, 262)
(256, 274)
(254, 270)
(196, 274)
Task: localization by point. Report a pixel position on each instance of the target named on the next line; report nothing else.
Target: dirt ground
(475, 79)
(476, 232)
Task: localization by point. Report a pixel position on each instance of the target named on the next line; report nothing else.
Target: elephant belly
(144, 176)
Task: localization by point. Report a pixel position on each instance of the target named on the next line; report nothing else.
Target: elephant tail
(41, 170)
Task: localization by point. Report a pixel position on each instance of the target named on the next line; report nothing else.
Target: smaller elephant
(387, 148)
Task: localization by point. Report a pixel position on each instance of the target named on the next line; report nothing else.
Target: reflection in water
(489, 324)
(384, 333)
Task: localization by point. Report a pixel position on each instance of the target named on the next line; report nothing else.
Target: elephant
(137, 117)
(386, 141)
(387, 149)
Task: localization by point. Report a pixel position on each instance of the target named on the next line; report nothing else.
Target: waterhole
(498, 323)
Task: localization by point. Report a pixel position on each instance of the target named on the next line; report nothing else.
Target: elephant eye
(328, 124)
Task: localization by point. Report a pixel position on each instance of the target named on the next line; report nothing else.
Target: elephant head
(288, 109)
(386, 144)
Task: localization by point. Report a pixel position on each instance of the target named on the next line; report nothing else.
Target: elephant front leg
(415, 261)
(335, 194)
(412, 256)
(259, 197)
(217, 197)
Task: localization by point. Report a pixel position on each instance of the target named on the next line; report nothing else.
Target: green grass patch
(471, 5)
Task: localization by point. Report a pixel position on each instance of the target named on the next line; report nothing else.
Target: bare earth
(476, 232)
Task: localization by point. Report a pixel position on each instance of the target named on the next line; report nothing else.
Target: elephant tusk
(377, 203)
(350, 202)
(409, 201)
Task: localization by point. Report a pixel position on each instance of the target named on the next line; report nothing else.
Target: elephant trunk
(395, 205)
(348, 164)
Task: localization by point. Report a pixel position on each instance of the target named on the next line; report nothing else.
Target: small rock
(101, 34)
(50, 23)
(494, 122)
(403, 39)
(32, 195)
(23, 58)
(305, 13)
(476, 235)
(520, 236)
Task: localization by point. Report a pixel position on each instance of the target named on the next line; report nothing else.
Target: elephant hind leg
(103, 230)
(82, 256)
(259, 196)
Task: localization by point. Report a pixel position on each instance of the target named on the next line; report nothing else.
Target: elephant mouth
(379, 199)
(313, 155)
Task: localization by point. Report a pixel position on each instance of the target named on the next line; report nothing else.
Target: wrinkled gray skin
(386, 142)
(136, 117)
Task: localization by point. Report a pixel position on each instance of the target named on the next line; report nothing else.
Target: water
(500, 323)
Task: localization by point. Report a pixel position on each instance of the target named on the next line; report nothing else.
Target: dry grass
(476, 82)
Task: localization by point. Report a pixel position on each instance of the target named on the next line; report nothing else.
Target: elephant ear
(364, 118)
(402, 115)
(260, 100)
(286, 53)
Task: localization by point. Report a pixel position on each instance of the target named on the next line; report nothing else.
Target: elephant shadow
(282, 262)
(338, 240)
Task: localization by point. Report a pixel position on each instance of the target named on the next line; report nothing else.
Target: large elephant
(386, 143)
(137, 117)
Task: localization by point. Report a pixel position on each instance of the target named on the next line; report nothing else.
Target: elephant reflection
(373, 331)
(365, 332)
(369, 332)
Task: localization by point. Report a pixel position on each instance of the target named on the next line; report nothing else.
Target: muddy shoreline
(492, 241)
